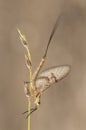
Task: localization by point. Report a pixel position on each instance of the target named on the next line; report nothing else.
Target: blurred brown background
(63, 107)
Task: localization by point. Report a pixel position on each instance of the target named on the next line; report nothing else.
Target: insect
(41, 82)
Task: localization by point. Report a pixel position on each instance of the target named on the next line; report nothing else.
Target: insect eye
(39, 102)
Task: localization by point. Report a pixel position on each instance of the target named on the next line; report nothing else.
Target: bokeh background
(63, 107)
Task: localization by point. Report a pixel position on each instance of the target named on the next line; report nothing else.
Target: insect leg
(27, 111)
(52, 33)
(34, 109)
(50, 38)
(26, 82)
(38, 68)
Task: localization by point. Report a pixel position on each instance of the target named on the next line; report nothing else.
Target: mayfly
(41, 82)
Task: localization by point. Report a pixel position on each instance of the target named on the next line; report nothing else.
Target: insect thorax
(31, 92)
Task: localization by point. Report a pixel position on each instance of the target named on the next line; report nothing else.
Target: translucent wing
(51, 76)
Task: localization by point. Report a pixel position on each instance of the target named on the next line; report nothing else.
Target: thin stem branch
(25, 44)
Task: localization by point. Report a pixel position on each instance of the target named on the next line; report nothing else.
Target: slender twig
(25, 44)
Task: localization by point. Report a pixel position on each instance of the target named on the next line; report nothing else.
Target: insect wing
(42, 83)
(50, 76)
